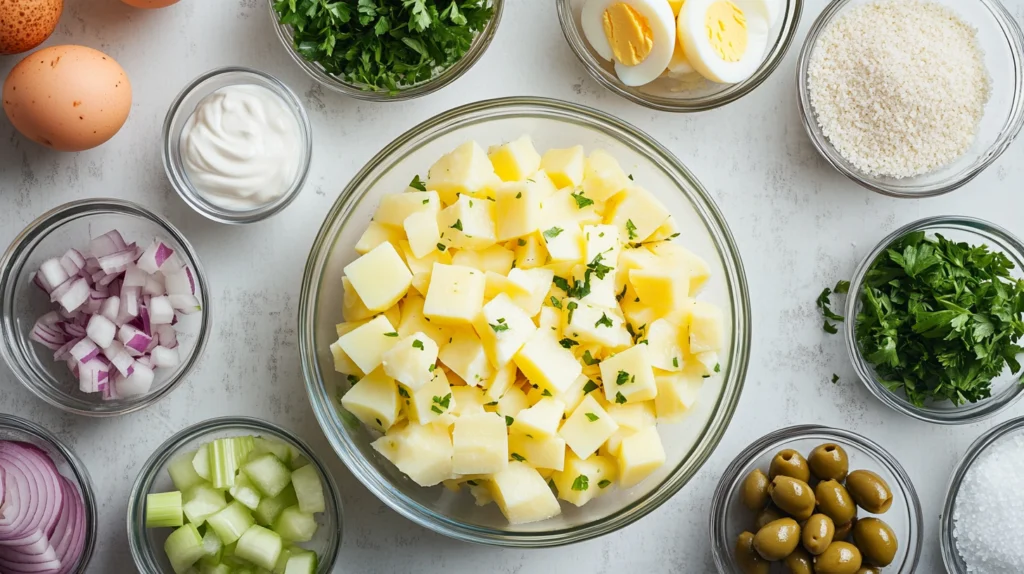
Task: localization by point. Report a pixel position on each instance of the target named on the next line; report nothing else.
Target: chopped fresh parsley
(590, 387)
(619, 399)
(352, 379)
(380, 424)
(718, 367)
(552, 233)
(555, 302)
(417, 344)
(631, 229)
(582, 200)
(835, 378)
(431, 368)
(509, 420)
(675, 362)
(519, 195)
(581, 483)
(436, 409)
(568, 343)
(630, 176)
(571, 307)
(441, 247)
(456, 225)
(589, 359)
(823, 303)
(592, 417)
(418, 183)
(402, 392)
(444, 403)
(545, 393)
(500, 326)
(519, 457)
(605, 483)
(621, 378)
(391, 334)
(605, 321)
(597, 268)
(521, 242)
(621, 295)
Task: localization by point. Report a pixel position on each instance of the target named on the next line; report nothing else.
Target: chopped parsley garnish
(630, 176)
(391, 334)
(581, 483)
(605, 483)
(621, 295)
(582, 200)
(631, 229)
(443, 403)
(521, 242)
(436, 409)
(675, 362)
(456, 225)
(590, 387)
(605, 321)
(441, 247)
(619, 399)
(835, 378)
(509, 420)
(561, 283)
(519, 195)
(431, 368)
(499, 327)
(380, 424)
(352, 379)
(552, 233)
(568, 343)
(589, 359)
(402, 392)
(572, 308)
(417, 344)
(555, 302)
(418, 183)
(519, 457)
(718, 367)
(545, 393)
(823, 303)
(592, 417)
(598, 268)
(621, 378)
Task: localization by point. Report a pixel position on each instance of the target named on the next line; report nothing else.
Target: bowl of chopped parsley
(935, 318)
(386, 50)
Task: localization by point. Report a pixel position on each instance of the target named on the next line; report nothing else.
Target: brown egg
(150, 3)
(69, 98)
(24, 24)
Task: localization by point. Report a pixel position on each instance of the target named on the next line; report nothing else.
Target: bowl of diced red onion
(103, 310)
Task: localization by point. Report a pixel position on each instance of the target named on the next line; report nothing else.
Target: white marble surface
(799, 225)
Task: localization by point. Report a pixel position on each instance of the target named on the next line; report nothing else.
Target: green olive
(799, 562)
(869, 570)
(869, 491)
(768, 514)
(829, 462)
(838, 558)
(792, 496)
(817, 533)
(749, 561)
(876, 541)
(754, 492)
(843, 530)
(777, 539)
(834, 501)
(790, 463)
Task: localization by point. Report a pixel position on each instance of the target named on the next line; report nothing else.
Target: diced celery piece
(282, 560)
(298, 462)
(309, 489)
(209, 560)
(270, 507)
(201, 462)
(282, 451)
(163, 509)
(244, 446)
(301, 563)
(183, 473)
(268, 473)
(245, 491)
(212, 543)
(259, 546)
(215, 569)
(201, 502)
(184, 547)
(223, 462)
(295, 525)
(227, 552)
(231, 523)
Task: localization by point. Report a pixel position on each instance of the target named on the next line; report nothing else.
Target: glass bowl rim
(447, 76)
(866, 374)
(1009, 132)
(947, 542)
(42, 226)
(176, 172)
(142, 554)
(719, 538)
(733, 380)
(81, 476)
(774, 58)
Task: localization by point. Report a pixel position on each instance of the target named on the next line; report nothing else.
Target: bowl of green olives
(815, 500)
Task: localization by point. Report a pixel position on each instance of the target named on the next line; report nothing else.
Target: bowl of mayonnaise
(237, 145)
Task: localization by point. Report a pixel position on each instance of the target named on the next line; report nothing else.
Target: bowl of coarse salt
(983, 517)
(912, 98)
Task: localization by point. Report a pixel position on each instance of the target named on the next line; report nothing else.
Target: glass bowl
(729, 517)
(551, 123)
(68, 465)
(147, 543)
(184, 106)
(358, 91)
(51, 235)
(950, 555)
(1005, 391)
(694, 93)
(1001, 39)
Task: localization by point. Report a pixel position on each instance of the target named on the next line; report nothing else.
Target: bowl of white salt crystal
(983, 518)
(912, 98)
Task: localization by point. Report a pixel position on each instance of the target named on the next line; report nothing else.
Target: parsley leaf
(604, 320)
(568, 343)
(517, 456)
(621, 378)
(417, 183)
(581, 483)
(456, 225)
(590, 387)
(555, 302)
(391, 334)
(582, 200)
(501, 326)
(605, 483)
(619, 399)
(631, 229)
(591, 417)
(572, 308)
(417, 344)
(589, 359)
(552, 233)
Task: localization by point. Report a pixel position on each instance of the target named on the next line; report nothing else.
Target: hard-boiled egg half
(639, 36)
(724, 40)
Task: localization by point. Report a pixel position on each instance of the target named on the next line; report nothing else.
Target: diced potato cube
(587, 428)
(455, 295)
(352, 306)
(377, 233)
(663, 348)
(637, 214)
(587, 323)
(468, 223)
(568, 205)
(424, 235)
(396, 207)
(423, 452)
(638, 315)
(497, 284)
(602, 240)
(514, 160)
(373, 400)
(411, 360)
(465, 170)
(666, 290)
(500, 382)
(681, 257)
(639, 455)
(465, 355)
(564, 244)
(611, 446)
(517, 210)
(706, 327)
(494, 258)
(550, 319)
(481, 444)
(602, 285)
(530, 252)
(538, 452)
(503, 327)
(628, 376)
(522, 494)
(677, 392)
(580, 481)
(413, 321)
(423, 264)
(541, 185)
(366, 344)
(537, 282)
(633, 416)
(630, 259)
(481, 494)
(564, 166)
(380, 277)
(512, 403)
(547, 364)
(572, 396)
(667, 231)
(428, 403)
(467, 400)
(602, 176)
(541, 420)
(342, 362)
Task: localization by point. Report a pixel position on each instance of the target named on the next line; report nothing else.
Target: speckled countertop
(799, 224)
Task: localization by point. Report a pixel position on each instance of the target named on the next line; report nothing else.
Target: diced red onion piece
(154, 285)
(138, 383)
(135, 277)
(130, 301)
(116, 262)
(133, 339)
(165, 357)
(65, 351)
(110, 307)
(50, 318)
(53, 272)
(92, 374)
(75, 296)
(101, 330)
(160, 311)
(119, 358)
(166, 335)
(187, 304)
(85, 351)
(73, 262)
(177, 283)
(154, 256)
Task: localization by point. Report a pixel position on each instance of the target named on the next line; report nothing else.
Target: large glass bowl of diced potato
(524, 323)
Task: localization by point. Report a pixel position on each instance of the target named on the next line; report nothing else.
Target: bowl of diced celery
(540, 340)
(234, 495)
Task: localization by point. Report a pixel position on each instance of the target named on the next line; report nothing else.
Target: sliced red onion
(74, 330)
(68, 538)
(47, 336)
(53, 272)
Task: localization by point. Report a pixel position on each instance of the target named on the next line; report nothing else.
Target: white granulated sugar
(899, 86)
(988, 518)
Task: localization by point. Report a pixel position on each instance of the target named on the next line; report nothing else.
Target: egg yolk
(628, 33)
(727, 30)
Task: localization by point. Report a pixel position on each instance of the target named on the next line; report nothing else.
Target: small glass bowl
(360, 92)
(51, 235)
(184, 106)
(147, 543)
(68, 465)
(950, 555)
(693, 93)
(1005, 391)
(1002, 42)
(729, 517)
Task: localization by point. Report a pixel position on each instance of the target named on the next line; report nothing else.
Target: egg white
(679, 65)
(662, 23)
(693, 36)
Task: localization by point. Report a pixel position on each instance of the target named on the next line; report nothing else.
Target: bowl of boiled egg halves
(676, 55)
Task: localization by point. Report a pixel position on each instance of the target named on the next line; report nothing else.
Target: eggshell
(69, 98)
(24, 24)
(150, 3)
